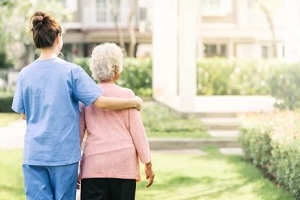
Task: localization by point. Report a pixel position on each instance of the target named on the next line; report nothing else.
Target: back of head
(106, 61)
(44, 29)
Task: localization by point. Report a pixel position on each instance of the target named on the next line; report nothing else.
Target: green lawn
(208, 177)
(178, 177)
(11, 178)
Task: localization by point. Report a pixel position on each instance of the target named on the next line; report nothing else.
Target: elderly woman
(116, 140)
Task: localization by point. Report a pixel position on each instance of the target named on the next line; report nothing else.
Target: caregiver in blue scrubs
(47, 95)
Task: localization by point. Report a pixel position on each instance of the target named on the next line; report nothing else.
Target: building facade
(226, 28)
(98, 21)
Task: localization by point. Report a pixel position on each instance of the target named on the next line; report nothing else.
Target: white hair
(106, 60)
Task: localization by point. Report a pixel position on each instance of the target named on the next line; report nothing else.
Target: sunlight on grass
(7, 118)
(197, 177)
(11, 178)
(178, 177)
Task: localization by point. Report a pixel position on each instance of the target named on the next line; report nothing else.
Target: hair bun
(38, 18)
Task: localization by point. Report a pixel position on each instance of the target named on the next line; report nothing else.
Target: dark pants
(108, 189)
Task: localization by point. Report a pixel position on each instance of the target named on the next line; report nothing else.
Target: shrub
(6, 99)
(137, 74)
(255, 141)
(4, 62)
(84, 63)
(284, 84)
(272, 143)
(221, 76)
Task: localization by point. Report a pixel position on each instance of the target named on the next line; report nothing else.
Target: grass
(161, 121)
(6, 93)
(207, 177)
(11, 178)
(178, 177)
(7, 118)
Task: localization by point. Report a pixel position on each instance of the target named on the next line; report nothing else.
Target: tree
(14, 25)
(114, 8)
(267, 6)
(4, 62)
(131, 27)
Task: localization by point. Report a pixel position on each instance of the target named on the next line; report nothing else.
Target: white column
(187, 29)
(158, 38)
(199, 35)
(292, 31)
(164, 42)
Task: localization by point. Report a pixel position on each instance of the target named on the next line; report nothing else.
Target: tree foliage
(4, 62)
(15, 24)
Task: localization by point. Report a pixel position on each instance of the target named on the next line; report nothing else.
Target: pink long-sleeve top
(116, 139)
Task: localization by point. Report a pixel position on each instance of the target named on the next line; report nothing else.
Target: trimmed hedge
(284, 81)
(271, 142)
(137, 75)
(221, 76)
(6, 100)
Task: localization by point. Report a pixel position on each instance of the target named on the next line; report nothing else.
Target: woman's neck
(47, 53)
(107, 82)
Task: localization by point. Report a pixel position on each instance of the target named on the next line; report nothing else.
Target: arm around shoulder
(118, 103)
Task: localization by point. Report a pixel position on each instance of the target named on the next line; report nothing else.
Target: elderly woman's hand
(149, 174)
(139, 102)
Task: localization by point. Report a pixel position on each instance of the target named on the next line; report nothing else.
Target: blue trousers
(50, 182)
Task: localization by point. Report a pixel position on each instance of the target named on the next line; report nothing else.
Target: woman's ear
(116, 77)
(57, 39)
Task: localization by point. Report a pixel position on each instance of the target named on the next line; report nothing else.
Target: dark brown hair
(44, 29)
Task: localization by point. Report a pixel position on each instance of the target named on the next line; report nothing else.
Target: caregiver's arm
(119, 103)
(23, 116)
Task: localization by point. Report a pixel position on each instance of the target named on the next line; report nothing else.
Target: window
(64, 3)
(215, 50)
(264, 51)
(102, 10)
(142, 14)
(210, 50)
(216, 7)
(105, 10)
(223, 51)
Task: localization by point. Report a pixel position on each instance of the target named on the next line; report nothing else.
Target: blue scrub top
(48, 92)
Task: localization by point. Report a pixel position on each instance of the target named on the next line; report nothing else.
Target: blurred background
(226, 28)
(217, 77)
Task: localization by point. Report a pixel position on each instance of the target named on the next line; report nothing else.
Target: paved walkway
(12, 136)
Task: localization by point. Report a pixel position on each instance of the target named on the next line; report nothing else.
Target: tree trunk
(117, 27)
(131, 27)
(266, 11)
